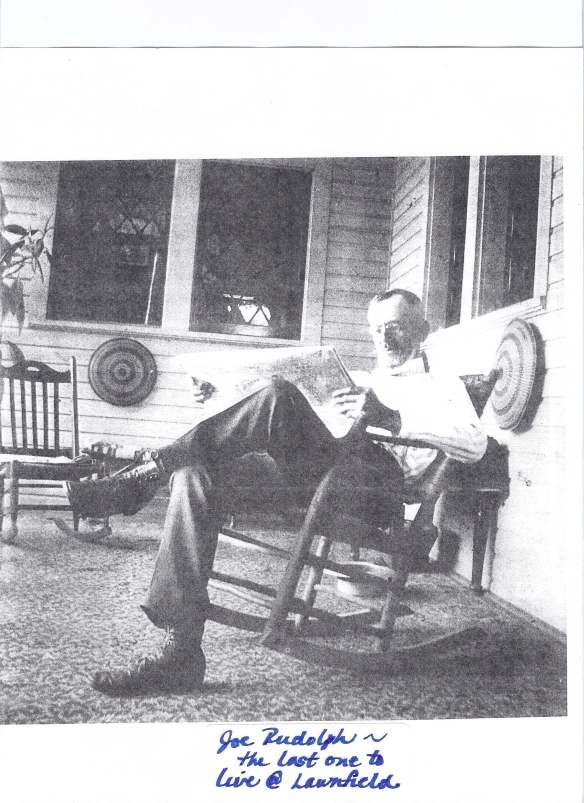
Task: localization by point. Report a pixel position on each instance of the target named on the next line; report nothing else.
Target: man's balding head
(397, 326)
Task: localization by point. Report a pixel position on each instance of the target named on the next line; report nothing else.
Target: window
(448, 213)
(110, 242)
(457, 236)
(484, 250)
(250, 257)
(509, 232)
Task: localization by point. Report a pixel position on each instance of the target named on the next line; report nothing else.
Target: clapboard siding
(348, 268)
(369, 253)
(558, 183)
(167, 413)
(346, 331)
(557, 215)
(404, 225)
(357, 257)
(354, 235)
(358, 284)
(410, 219)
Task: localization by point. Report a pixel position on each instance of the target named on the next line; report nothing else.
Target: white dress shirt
(433, 408)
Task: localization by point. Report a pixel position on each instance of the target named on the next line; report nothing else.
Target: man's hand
(202, 391)
(363, 403)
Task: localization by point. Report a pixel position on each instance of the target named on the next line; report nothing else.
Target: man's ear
(424, 330)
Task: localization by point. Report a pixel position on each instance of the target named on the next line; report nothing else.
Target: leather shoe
(125, 492)
(176, 669)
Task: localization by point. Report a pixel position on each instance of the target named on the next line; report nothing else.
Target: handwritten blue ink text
(227, 739)
(323, 740)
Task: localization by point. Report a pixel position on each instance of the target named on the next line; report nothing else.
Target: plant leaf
(10, 250)
(4, 247)
(12, 228)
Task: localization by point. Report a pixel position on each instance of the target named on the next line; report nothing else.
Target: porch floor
(68, 608)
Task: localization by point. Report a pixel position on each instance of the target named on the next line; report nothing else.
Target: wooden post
(483, 513)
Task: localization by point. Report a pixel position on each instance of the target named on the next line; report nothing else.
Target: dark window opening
(509, 231)
(460, 173)
(521, 228)
(110, 241)
(251, 250)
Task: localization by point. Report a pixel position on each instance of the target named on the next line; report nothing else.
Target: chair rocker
(297, 624)
(32, 453)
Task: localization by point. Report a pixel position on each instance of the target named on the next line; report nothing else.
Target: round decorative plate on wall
(518, 366)
(122, 371)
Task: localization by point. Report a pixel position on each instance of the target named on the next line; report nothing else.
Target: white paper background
(187, 23)
(149, 104)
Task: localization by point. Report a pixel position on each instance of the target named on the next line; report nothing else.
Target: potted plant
(22, 253)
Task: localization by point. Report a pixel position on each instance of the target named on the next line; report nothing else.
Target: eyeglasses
(390, 326)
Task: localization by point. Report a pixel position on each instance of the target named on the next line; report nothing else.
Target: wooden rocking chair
(297, 624)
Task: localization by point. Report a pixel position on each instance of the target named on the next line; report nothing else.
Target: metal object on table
(122, 371)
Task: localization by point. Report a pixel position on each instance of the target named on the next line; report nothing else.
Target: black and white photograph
(379, 344)
(284, 447)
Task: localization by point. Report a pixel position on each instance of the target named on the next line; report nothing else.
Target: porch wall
(356, 267)
(358, 240)
(524, 565)
(407, 255)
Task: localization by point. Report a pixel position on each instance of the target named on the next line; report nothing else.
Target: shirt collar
(409, 368)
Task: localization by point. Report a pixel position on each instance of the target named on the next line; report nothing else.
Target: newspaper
(235, 374)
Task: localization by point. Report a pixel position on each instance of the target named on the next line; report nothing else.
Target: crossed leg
(277, 420)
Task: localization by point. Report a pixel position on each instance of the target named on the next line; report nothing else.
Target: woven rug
(70, 607)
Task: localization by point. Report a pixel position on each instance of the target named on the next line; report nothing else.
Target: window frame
(176, 311)
(51, 285)
(473, 274)
(240, 327)
(183, 240)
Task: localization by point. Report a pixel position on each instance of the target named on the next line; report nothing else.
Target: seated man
(277, 420)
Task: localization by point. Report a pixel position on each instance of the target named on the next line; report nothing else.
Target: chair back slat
(56, 416)
(23, 421)
(45, 416)
(35, 431)
(12, 414)
(35, 426)
(74, 407)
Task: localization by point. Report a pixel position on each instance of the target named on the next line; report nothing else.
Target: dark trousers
(205, 465)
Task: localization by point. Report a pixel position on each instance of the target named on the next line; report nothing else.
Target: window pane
(447, 231)
(509, 231)
(251, 250)
(111, 239)
(460, 169)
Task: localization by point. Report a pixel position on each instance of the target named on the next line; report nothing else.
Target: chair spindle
(13, 414)
(24, 427)
(33, 406)
(56, 413)
(45, 417)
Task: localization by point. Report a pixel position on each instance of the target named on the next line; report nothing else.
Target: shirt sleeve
(437, 410)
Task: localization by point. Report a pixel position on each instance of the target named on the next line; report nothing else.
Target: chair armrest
(387, 437)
